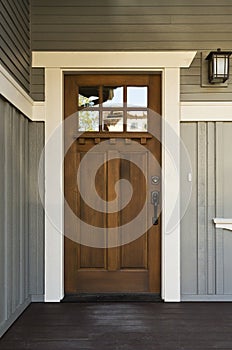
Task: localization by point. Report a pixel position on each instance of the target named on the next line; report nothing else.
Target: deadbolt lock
(155, 179)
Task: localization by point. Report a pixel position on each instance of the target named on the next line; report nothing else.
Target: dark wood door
(105, 114)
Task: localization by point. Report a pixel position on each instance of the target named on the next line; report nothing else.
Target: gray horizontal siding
(132, 25)
(131, 3)
(15, 40)
(206, 258)
(21, 142)
(37, 84)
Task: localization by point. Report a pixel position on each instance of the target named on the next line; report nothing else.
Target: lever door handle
(155, 202)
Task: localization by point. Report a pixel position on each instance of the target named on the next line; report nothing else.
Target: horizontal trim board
(206, 111)
(199, 298)
(113, 60)
(17, 96)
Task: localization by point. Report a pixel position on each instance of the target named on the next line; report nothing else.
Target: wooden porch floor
(122, 326)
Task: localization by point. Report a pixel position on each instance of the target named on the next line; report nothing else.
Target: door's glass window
(88, 120)
(88, 96)
(113, 120)
(137, 96)
(112, 97)
(113, 108)
(137, 121)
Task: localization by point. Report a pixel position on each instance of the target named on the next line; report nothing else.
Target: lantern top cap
(218, 52)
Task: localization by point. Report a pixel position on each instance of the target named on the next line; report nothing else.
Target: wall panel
(21, 143)
(206, 258)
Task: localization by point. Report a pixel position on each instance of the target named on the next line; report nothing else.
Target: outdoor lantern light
(218, 65)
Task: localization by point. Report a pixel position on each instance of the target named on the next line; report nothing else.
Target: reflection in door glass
(113, 120)
(137, 121)
(88, 96)
(88, 120)
(137, 96)
(112, 96)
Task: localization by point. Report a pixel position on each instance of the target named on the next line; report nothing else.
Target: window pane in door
(113, 120)
(88, 96)
(88, 120)
(112, 96)
(137, 121)
(137, 96)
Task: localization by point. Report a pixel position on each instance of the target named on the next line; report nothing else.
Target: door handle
(155, 202)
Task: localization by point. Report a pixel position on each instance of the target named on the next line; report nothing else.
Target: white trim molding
(222, 223)
(113, 60)
(55, 64)
(38, 111)
(15, 94)
(206, 111)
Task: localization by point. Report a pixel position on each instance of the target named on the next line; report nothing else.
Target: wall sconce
(218, 66)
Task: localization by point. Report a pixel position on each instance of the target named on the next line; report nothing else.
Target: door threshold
(111, 297)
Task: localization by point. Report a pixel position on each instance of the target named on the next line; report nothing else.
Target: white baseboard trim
(211, 297)
(4, 326)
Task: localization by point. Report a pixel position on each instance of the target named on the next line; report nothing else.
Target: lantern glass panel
(221, 63)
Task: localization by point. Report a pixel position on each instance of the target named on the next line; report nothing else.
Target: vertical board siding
(88, 25)
(36, 214)
(17, 179)
(211, 200)
(206, 257)
(15, 40)
(227, 207)
(2, 220)
(202, 207)
(189, 239)
(219, 208)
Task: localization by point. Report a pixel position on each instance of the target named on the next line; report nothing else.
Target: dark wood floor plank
(122, 326)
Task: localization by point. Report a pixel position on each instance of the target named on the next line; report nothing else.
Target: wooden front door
(112, 112)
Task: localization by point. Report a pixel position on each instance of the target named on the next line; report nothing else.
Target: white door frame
(55, 64)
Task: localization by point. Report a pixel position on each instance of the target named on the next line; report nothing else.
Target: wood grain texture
(121, 268)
